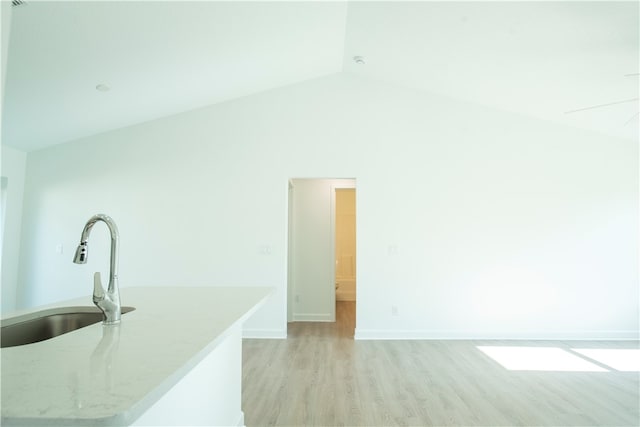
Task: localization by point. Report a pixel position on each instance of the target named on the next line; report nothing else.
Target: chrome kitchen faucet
(108, 302)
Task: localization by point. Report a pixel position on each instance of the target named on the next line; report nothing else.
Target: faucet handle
(98, 290)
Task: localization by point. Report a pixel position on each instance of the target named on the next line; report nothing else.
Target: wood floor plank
(319, 376)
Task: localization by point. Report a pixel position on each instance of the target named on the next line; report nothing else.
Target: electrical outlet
(297, 298)
(394, 310)
(264, 250)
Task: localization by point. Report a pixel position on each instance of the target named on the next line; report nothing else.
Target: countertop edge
(138, 408)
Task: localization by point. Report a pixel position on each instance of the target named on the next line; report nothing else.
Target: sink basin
(48, 324)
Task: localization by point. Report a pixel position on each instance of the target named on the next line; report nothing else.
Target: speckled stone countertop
(110, 375)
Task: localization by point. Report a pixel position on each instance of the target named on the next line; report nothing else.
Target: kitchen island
(175, 360)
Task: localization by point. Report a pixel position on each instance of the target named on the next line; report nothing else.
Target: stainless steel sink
(48, 324)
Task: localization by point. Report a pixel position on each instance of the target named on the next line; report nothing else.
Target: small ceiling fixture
(103, 88)
(358, 59)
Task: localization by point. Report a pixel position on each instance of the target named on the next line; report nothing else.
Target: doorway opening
(345, 253)
(322, 255)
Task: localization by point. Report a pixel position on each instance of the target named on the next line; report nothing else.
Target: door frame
(339, 183)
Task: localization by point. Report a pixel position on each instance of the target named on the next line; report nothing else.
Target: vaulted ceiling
(541, 59)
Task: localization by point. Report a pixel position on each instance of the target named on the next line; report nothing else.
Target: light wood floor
(319, 376)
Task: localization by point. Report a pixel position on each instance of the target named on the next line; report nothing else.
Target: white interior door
(311, 251)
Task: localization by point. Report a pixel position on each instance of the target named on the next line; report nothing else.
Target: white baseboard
(410, 334)
(276, 334)
(240, 422)
(312, 317)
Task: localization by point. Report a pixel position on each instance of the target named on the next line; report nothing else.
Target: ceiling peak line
(601, 105)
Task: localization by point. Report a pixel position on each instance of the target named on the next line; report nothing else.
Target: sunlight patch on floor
(620, 359)
(538, 359)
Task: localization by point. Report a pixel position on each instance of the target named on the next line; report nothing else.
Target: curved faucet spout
(109, 301)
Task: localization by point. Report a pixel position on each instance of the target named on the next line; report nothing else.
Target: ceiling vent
(16, 3)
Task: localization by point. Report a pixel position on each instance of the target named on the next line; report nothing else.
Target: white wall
(472, 222)
(5, 30)
(13, 169)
